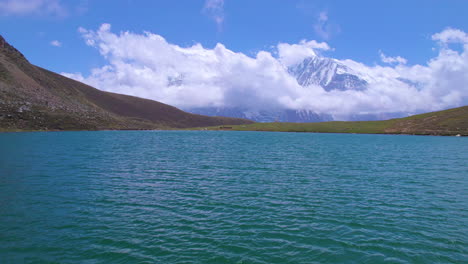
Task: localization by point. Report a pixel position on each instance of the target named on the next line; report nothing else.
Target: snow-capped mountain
(327, 73)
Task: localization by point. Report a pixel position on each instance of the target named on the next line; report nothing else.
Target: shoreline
(4, 131)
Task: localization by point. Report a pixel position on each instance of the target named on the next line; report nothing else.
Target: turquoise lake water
(232, 197)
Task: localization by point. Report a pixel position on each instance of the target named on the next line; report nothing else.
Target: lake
(232, 197)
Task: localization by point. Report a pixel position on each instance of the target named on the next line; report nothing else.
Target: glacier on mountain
(327, 73)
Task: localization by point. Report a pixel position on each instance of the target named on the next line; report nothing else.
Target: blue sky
(354, 29)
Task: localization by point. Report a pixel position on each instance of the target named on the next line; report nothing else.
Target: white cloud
(56, 43)
(215, 9)
(323, 28)
(146, 65)
(28, 7)
(451, 35)
(323, 16)
(290, 54)
(392, 60)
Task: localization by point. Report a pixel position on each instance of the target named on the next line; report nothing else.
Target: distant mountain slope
(270, 115)
(448, 122)
(32, 98)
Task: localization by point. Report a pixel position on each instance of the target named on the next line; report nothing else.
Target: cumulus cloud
(215, 9)
(28, 7)
(290, 54)
(148, 66)
(392, 60)
(451, 35)
(56, 43)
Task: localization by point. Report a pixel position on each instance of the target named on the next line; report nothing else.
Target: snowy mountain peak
(327, 73)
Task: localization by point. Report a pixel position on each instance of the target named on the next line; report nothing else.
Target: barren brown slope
(32, 98)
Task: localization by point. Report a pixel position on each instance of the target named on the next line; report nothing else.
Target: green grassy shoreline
(451, 122)
(362, 127)
(241, 130)
(268, 127)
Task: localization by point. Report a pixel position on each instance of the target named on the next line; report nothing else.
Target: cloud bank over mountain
(146, 65)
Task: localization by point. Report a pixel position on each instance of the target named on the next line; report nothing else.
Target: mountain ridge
(33, 98)
(327, 73)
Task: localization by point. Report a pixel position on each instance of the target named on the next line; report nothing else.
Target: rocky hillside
(32, 98)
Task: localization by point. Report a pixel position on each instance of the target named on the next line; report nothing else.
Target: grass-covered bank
(372, 127)
(444, 123)
(450, 122)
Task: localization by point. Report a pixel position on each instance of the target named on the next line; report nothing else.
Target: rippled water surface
(232, 197)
